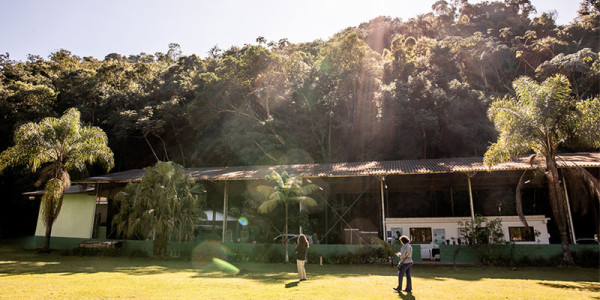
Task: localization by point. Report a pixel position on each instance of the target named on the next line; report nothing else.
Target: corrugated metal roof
(74, 189)
(353, 169)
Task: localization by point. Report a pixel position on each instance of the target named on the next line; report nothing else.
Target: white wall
(450, 225)
(75, 219)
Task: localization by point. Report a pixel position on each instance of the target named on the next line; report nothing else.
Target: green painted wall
(472, 255)
(318, 249)
(464, 254)
(75, 219)
(416, 253)
(34, 242)
(130, 246)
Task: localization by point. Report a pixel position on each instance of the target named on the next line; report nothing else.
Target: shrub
(364, 255)
(586, 258)
(137, 253)
(262, 253)
(79, 251)
(269, 253)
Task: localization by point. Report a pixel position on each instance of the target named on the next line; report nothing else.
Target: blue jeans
(405, 268)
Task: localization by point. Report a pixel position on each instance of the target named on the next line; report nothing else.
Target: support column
(95, 222)
(381, 180)
(452, 200)
(569, 210)
(469, 175)
(225, 199)
(326, 217)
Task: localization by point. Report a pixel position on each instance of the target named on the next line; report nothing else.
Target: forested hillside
(383, 90)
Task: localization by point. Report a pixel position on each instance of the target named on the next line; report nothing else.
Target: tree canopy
(539, 119)
(425, 83)
(57, 146)
(285, 189)
(164, 206)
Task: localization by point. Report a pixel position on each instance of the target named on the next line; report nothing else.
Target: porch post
(569, 210)
(469, 175)
(97, 188)
(225, 198)
(452, 201)
(381, 180)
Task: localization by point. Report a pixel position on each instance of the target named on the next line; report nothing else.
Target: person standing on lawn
(301, 249)
(404, 264)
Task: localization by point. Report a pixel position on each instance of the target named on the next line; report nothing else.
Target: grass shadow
(576, 286)
(291, 284)
(406, 296)
(19, 262)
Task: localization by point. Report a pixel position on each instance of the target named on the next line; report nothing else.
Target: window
(521, 234)
(420, 235)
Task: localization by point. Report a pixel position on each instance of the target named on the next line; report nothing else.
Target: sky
(100, 27)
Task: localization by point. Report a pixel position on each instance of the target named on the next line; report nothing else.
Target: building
(423, 198)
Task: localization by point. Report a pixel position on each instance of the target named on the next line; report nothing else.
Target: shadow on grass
(19, 262)
(406, 296)
(291, 284)
(578, 286)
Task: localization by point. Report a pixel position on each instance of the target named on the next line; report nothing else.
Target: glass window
(521, 234)
(420, 235)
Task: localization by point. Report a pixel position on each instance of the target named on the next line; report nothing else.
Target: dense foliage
(285, 189)
(386, 89)
(540, 119)
(164, 205)
(57, 146)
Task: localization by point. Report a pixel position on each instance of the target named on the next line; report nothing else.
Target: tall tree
(57, 146)
(540, 119)
(164, 205)
(285, 189)
(349, 80)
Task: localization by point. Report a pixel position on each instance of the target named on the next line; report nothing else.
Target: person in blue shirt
(404, 264)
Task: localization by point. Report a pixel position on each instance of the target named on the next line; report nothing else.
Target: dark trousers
(405, 268)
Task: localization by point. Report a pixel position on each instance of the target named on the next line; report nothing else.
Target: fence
(474, 254)
(451, 254)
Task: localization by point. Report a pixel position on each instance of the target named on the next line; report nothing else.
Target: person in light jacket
(404, 264)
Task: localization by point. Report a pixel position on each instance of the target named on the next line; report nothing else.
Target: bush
(586, 258)
(137, 253)
(79, 251)
(206, 251)
(262, 253)
(269, 253)
(364, 255)
(314, 258)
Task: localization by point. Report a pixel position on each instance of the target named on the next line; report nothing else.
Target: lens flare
(204, 253)
(243, 221)
(225, 267)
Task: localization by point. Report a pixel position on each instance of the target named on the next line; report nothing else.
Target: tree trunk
(287, 258)
(46, 247)
(559, 211)
(160, 246)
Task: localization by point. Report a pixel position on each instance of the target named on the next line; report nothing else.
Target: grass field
(28, 275)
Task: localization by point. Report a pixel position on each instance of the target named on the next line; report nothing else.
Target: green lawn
(28, 275)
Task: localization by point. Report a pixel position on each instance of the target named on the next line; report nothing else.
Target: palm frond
(52, 200)
(265, 190)
(308, 189)
(277, 196)
(305, 201)
(387, 248)
(268, 206)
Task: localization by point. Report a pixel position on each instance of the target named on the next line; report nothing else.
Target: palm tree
(542, 117)
(285, 189)
(57, 146)
(164, 205)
